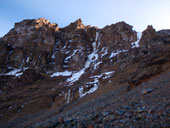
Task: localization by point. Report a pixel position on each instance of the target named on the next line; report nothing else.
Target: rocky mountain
(78, 75)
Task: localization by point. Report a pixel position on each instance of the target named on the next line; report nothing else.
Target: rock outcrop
(118, 36)
(30, 43)
(147, 37)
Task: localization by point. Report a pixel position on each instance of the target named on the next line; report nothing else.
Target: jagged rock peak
(149, 29)
(42, 20)
(149, 32)
(118, 33)
(37, 23)
(29, 32)
(78, 21)
(78, 24)
(147, 35)
(120, 25)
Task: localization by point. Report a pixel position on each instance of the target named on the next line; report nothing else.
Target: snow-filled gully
(75, 76)
(136, 43)
(92, 59)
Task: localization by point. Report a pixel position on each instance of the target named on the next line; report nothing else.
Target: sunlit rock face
(31, 43)
(44, 67)
(118, 36)
(36, 34)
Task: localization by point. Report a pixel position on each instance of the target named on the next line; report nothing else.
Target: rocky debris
(132, 112)
(150, 66)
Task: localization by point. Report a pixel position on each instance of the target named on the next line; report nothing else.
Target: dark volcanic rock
(29, 76)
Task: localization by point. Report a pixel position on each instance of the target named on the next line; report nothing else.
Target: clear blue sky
(138, 13)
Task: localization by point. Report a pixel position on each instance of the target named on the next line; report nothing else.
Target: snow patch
(16, 72)
(103, 74)
(93, 89)
(81, 89)
(104, 52)
(27, 59)
(65, 73)
(69, 57)
(95, 83)
(96, 65)
(68, 98)
(91, 58)
(136, 43)
(113, 54)
(53, 56)
(76, 76)
(63, 48)
(13, 72)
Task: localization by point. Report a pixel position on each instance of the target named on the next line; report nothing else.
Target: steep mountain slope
(46, 70)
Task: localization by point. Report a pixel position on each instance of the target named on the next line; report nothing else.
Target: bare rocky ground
(146, 106)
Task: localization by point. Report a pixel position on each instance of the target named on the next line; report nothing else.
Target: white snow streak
(113, 54)
(27, 59)
(96, 65)
(104, 52)
(136, 43)
(75, 76)
(13, 72)
(95, 83)
(16, 72)
(69, 57)
(65, 73)
(91, 58)
(93, 89)
(68, 98)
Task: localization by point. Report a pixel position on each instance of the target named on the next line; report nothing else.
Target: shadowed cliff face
(44, 67)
